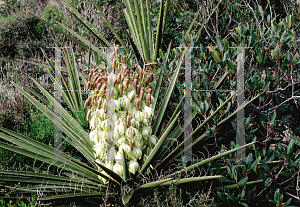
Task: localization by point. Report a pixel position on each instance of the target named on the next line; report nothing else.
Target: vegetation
(158, 33)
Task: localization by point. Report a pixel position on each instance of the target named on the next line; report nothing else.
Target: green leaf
(224, 179)
(254, 164)
(243, 181)
(168, 94)
(220, 44)
(126, 174)
(230, 196)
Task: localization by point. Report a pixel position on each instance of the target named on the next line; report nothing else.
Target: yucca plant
(94, 180)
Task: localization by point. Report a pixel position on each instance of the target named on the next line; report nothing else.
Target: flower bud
(146, 132)
(117, 105)
(119, 77)
(139, 144)
(141, 94)
(118, 169)
(139, 116)
(131, 145)
(88, 115)
(128, 123)
(149, 98)
(126, 83)
(135, 123)
(146, 122)
(148, 79)
(88, 102)
(99, 103)
(131, 96)
(125, 103)
(125, 147)
(148, 112)
(136, 153)
(137, 104)
(121, 128)
(153, 139)
(133, 166)
(130, 132)
(95, 78)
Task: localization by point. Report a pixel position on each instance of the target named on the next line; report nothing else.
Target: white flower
(138, 135)
(120, 141)
(146, 132)
(117, 105)
(125, 103)
(99, 151)
(130, 132)
(93, 122)
(146, 122)
(135, 123)
(132, 112)
(133, 166)
(101, 113)
(148, 112)
(136, 153)
(139, 116)
(131, 96)
(125, 147)
(93, 134)
(121, 128)
(118, 169)
(139, 143)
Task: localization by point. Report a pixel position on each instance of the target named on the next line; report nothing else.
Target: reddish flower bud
(89, 86)
(90, 76)
(122, 78)
(148, 79)
(131, 145)
(95, 78)
(98, 80)
(141, 94)
(149, 98)
(152, 77)
(138, 104)
(126, 83)
(95, 69)
(128, 121)
(121, 89)
(85, 70)
(88, 102)
(118, 77)
(104, 105)
(126, 72)
(99, 103)
(88, 115)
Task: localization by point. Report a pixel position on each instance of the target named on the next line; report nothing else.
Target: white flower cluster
(132, 116)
